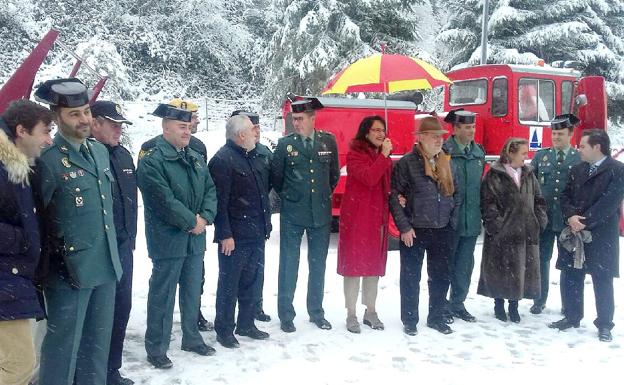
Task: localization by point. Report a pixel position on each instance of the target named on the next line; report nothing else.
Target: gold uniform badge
(65, 162)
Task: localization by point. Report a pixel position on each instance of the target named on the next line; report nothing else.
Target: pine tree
(314, 39)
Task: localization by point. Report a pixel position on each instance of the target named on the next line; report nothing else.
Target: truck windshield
(536, 100)
(468, 92)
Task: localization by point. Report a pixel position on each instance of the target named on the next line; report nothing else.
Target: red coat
(363, 236)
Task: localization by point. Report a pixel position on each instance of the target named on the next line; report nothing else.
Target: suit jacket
(598, 198)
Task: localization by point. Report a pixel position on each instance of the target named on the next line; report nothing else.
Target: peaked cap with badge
(306, 105)
(109, 110)
(563, 121)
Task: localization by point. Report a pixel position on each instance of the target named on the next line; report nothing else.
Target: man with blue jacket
(24, 129)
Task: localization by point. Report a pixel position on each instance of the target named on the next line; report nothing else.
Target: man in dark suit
(591, 201)
(106, 129)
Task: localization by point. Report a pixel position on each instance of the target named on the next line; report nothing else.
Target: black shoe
(321, 323)
(604, 335)
(564, 324)
(204, 325)
(202, 350)
(514, 316)
(160, 362)
(262, 316)
(448, 319)
(464, 315)
(228, 341)
(288, 327)
(537, 308)
(441, 327)
(410, 330)
(499, 310)
(114, 378)
(253, 333)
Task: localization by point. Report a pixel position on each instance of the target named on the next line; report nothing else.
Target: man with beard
(106, 129)
(81, 244)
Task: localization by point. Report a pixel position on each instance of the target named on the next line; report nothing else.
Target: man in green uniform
(74, 183)
(552, 166)
(304, 172)
(468, 160)
(180, 201)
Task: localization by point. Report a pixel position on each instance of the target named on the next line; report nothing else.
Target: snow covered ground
(486, 352)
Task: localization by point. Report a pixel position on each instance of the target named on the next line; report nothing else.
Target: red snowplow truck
(510, 100)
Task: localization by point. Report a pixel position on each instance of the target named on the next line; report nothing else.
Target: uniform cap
(564, 121)
(255, 118)
(166, 111)
(109, 110)
(68, 93)
(306, 105)
(184, 104)
(460, 116)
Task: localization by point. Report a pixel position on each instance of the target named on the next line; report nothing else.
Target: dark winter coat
(124, 194)
(243, 208)
(469, 168)
(363, 236)
(513, 219)
(426, 207)
(598, 199)
(19, 234)
(175, 188)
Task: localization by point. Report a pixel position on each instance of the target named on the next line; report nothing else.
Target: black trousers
(123, 304)
(238, 283)
(439, 245)
(572, 282)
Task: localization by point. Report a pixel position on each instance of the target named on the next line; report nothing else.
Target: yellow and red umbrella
(387, 74)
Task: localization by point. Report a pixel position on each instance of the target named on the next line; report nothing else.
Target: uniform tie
(86, 154)
(592, 170)
(560, 157)
(467, 150)
(308, 145)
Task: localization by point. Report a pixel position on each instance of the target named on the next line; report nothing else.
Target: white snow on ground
(486, 352)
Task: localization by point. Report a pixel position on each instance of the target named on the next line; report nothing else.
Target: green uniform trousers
(167, 274)
(546, 244)
(290, 243)
(461, 266)
(75, 347)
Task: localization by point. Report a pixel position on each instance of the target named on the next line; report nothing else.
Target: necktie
(592, 170)
(308, 145)
(467, 150)
(559, 157)
(85, 153)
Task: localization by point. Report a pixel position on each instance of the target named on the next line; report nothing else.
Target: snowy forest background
(155, 49)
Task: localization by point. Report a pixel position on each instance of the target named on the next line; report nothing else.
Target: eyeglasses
(377, 130)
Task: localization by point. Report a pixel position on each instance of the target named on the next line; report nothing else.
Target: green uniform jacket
(305, 182)
(78, 207)
(469, 170)
(552, 180)
(175, 187)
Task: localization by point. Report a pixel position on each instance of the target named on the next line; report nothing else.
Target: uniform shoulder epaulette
(143, 153)
(47, 149)
(326, 133)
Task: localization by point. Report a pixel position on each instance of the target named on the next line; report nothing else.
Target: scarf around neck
(438, 168)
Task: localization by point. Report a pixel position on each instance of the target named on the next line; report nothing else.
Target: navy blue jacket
(243, 209)
(124, 194)
(19, 234)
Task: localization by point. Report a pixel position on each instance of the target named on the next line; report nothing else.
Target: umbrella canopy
(386, 73)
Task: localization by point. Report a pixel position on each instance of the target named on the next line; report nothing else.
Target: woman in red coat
(363, 237)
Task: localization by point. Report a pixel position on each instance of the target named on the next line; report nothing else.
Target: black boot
(499, 309)
(513, 311)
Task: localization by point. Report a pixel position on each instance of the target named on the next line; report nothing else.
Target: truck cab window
(536, 101)
(468, 92)
(566, 97)
(499, 97)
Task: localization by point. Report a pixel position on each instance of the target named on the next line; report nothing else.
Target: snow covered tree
(314, 39)
(521, 31)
